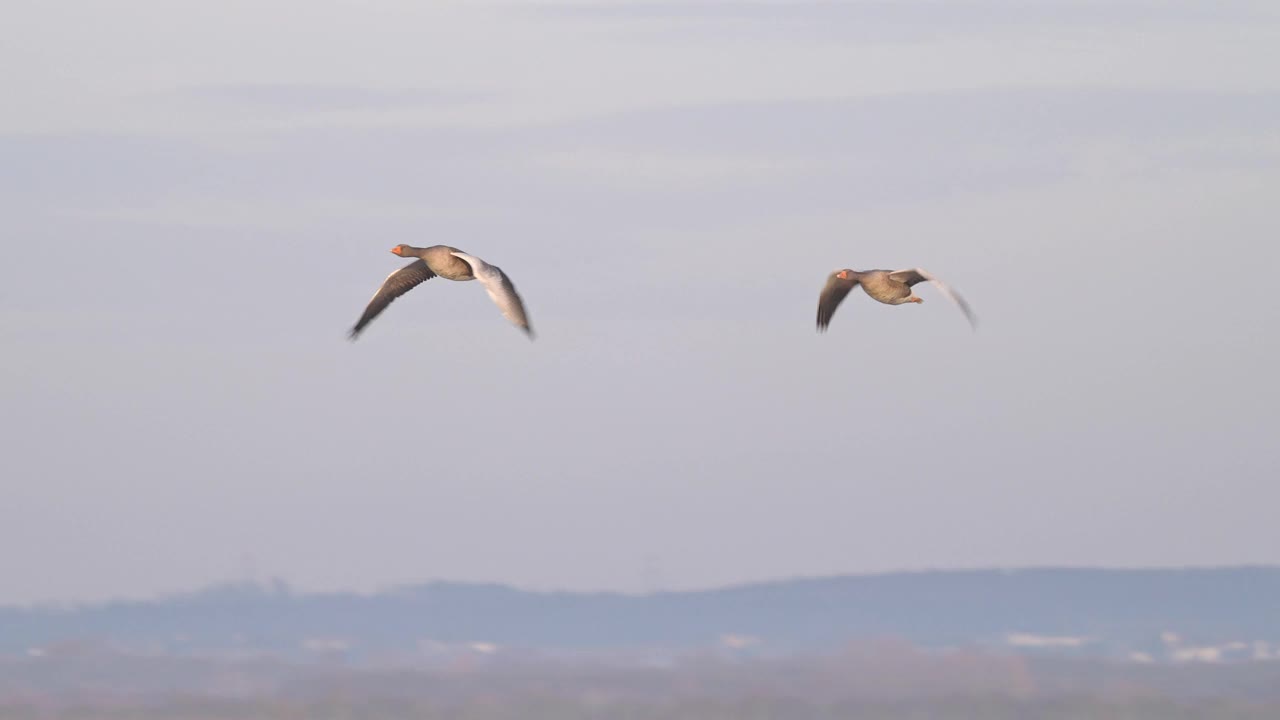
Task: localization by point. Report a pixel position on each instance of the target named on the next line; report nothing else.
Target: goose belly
(447, 266)
(887, 291)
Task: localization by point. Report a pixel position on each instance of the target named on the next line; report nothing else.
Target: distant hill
(1195, 614)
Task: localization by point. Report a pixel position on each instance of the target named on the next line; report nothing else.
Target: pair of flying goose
(892, 287)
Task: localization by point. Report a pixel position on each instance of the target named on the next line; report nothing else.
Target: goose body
(891, 287)
(449, 263)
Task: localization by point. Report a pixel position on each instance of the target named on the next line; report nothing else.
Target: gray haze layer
(197, 199)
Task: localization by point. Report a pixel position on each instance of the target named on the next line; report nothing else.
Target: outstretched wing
(832, 293)
(918, 275)
(501, 291)
(396, 284)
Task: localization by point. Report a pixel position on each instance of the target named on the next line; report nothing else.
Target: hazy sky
(197, 199)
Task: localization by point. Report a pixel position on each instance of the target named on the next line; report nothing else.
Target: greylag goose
(449, 263)
(892, 287)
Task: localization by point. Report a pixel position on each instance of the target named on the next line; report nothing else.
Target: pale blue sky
(197, 199)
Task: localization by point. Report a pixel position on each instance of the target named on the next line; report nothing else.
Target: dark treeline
(1118, 611)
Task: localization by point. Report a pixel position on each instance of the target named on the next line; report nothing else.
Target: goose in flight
(449, 263)
(892, 287)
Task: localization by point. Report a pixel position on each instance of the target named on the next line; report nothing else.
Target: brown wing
(396, 284)
(910, 277)
(834, 291)
(918, 275)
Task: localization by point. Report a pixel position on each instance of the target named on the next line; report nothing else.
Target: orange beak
(843, 274)
(395, 250)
